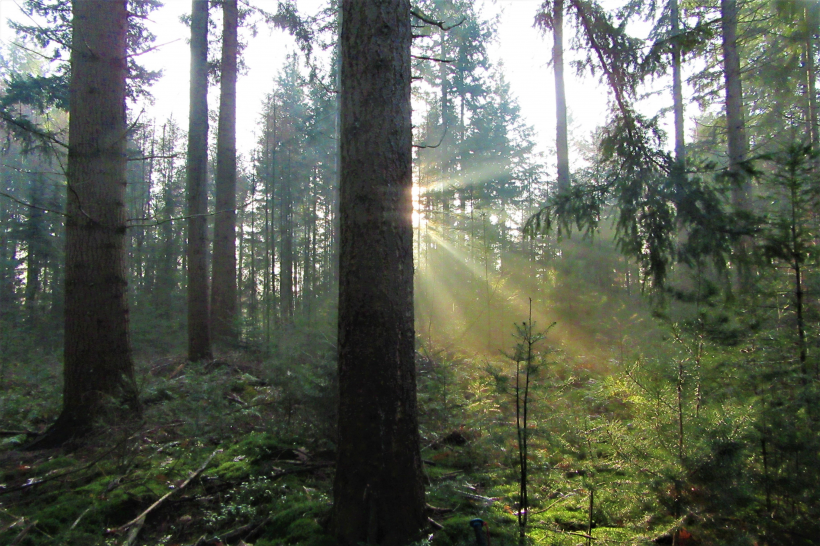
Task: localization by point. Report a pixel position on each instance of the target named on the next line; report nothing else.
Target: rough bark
(738, 146)
(378, 490)
(199, 336)
(561, 137)
(97, 354)
(223, 290)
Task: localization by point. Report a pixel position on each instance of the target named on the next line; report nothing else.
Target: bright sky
(524, 52)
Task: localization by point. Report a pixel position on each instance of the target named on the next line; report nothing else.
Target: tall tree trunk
(7, 275)
(286, 233)
(378, 498)
(677, 88)
(97, 350)
(223, 291)
(735, 125)
(199, 336)
(270, 201)
(167, 263)
(738, 145)
(35, 245)
(561, 137)
(811, 15)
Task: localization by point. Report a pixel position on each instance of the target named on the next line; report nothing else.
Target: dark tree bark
(378, 491)
(199, 336)
(223, 291)
(561, 137)
(98, 364)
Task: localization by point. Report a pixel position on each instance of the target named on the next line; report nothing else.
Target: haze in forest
(558, 282)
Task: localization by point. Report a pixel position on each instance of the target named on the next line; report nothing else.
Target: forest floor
(223, 456)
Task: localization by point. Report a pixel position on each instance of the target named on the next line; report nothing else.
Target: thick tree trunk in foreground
(561, 137)
(223, 289)
(378, 491)
(98, 365)
(199, 337)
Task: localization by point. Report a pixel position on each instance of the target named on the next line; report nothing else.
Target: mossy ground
(269, 479)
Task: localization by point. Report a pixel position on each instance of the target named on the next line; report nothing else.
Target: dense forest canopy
(367, 259)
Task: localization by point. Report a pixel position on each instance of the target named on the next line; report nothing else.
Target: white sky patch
(522, 50)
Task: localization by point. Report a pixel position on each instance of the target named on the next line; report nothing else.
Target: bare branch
(29, 205)
(176, 218)
(423, 146)
(440, 24)
(426, 58)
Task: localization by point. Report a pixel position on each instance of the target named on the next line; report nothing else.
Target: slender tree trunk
(561, 137)
(97, 349)
(267, 281)
(270, 189)
(735, 124)
(378, 490)
(166, 268)
(199, 336)
(7, 253)
(677, 88)
(35, 250)
(286, 255)
(811, 75)
(223, 291)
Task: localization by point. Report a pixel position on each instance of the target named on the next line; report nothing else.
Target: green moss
(302, 529)
(320, 540)
(232, 470)
(60, 514)
(456, 531)
(613, 535)
(568, 519)
(281, 521)
(263, 446)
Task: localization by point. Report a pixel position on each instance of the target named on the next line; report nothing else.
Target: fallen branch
(11, 525)
(77, 521)
(247, 530)
(479, 498)
(134, 533)
(34, 481)
(140, 520)
(301, 469)
(17, 432)
(562, 497)
(22, 534)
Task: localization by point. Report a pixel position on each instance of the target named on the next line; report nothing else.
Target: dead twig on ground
(22, 534)
(34, 481)
(140, 520)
